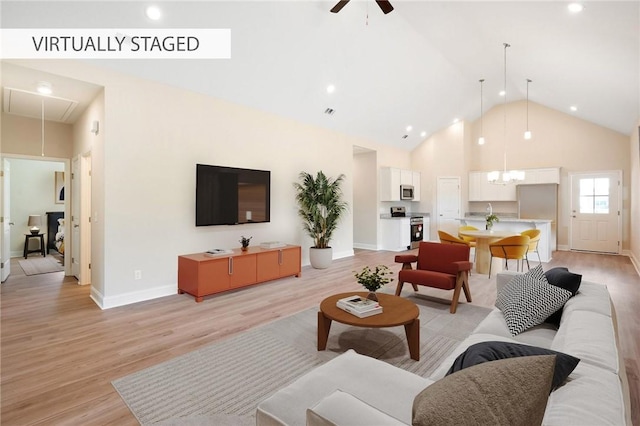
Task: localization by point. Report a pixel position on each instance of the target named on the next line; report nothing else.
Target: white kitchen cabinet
(396, 233)
(480, 189)
(390, 180)
(389, 184)
(416, 185)
(538, 176)
(406, 177)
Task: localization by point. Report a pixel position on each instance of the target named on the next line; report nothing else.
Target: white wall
(365, 197)
(32, 193)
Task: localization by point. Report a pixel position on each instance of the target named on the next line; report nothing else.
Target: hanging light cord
(42, 147)
(505, 107)
(481, 119)
(528, 81)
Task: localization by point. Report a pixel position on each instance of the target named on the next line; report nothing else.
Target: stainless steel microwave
(406, 192)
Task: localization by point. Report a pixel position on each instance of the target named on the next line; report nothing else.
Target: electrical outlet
(137, 274)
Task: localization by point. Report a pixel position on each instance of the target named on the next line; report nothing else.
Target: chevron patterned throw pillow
(528, 299)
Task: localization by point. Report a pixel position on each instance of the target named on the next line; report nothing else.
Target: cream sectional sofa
(353, 389)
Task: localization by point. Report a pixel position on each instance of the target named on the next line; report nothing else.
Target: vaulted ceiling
(417, 66)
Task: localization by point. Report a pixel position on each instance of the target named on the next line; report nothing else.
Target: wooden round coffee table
(396, 311)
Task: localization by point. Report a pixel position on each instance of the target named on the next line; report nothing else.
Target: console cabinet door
(290, 261)
(213, 276)
(242, 270)
(268, 266)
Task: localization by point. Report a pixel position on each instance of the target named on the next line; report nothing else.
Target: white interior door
(85, 219)
(5, 247)
(596, 206)
(448, 204)
(74, 224)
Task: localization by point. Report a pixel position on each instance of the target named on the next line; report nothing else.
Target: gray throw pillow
(510, 392)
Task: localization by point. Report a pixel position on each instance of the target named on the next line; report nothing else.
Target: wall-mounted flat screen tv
(232, 196)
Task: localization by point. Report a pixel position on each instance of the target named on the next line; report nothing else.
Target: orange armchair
(443, 266)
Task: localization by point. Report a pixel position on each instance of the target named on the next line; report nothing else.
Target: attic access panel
(29, 104)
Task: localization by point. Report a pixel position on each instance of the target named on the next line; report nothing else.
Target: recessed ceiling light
(154, 13)
(331, 88)
(455, 120)
(409, 128)
(573, 108)
(44, 88)
(423, 134)
(575, 7)
(502, 93)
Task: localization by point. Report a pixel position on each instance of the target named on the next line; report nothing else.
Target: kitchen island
(545, 245)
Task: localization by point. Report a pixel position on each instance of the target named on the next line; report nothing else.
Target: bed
(55, 231)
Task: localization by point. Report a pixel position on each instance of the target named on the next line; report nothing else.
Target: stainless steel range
(416, 223)
(417, 228)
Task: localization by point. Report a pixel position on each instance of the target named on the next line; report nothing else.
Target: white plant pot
(320, 258)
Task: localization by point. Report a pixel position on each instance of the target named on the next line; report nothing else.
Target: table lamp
(34, 223)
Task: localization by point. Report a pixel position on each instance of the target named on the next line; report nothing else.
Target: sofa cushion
(432, 278)
(388, 388)
(494, 350)
(541, 335)
(592, 297)
(591, 396)
(509, 391)
(342, 408)
(529, 299)
(563, 278)
(589, 336)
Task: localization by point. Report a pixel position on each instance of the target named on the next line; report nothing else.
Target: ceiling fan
(384, 5)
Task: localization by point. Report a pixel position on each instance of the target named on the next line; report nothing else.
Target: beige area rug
(40, 265)
(224, 382)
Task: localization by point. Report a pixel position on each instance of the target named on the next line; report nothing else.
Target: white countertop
(506, 219)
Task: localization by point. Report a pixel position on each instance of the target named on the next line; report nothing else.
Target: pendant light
(481, 138)
(527, 133)
(513, 175)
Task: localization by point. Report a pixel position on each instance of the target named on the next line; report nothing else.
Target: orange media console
(202, 274)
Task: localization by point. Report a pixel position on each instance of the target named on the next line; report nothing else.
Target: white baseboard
(563, 248)
(365, 246)
(342, 254)
(131, 297)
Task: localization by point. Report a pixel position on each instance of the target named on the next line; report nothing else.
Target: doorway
(448, 204)
(596, 208)
(31, 186)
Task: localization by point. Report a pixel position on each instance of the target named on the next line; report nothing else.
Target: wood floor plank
(60, 352)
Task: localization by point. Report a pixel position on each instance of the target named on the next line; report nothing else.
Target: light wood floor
(60, 352)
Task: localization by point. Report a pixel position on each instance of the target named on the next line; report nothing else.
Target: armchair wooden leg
(399, 288)
(465, 286)
(415, 286)
(456, 295)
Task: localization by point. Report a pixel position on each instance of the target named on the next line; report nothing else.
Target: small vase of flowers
(490, 219)
(245, 242)
(373, 279)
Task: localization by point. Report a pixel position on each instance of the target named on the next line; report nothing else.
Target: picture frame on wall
(59, 187)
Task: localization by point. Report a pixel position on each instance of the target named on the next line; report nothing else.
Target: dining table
(483, 255)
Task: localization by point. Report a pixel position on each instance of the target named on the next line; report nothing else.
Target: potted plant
(372, 280)
(320, 207)
(490, 218)
(245, 242)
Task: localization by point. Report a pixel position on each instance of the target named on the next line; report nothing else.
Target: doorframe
(85, 218)
(67, 183)
(619, 176)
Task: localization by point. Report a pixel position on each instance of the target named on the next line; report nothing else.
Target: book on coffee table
(359, 306)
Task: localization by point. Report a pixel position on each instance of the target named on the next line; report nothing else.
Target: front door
(448, 204)
(596, 208)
